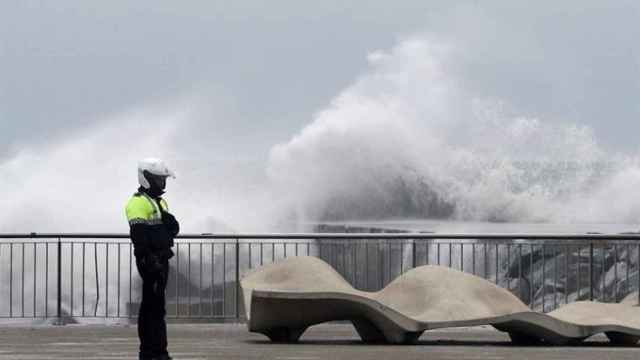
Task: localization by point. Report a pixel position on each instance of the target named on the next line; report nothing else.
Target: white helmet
(152, 167)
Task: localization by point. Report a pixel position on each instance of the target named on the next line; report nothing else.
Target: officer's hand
(171, 223)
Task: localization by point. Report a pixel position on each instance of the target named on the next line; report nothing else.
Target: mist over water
(75, 185)
(406, 140)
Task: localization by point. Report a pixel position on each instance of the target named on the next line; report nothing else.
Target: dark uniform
(152, 230)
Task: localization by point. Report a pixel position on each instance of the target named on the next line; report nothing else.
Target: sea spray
(407, 141)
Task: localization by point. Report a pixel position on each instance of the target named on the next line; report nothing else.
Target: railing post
(591, 271)
(237, 279)
(59, 320)
(413, 253)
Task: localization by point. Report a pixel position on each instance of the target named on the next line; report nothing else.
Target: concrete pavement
(327, 341)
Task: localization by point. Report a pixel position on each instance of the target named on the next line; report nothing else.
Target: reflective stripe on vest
(151, 216)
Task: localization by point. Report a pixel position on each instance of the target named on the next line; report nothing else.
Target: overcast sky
(270, 65)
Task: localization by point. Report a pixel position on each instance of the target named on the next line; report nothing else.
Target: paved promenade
(231, 341)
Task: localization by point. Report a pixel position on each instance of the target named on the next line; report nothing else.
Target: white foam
(406, 140)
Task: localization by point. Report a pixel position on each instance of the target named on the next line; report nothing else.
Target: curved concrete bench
(283, 299)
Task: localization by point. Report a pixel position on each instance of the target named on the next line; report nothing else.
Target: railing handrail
(313, 236)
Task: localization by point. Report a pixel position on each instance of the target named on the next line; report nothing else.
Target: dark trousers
(152, 328)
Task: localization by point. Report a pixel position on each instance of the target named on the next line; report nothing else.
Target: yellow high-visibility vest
(142, 209)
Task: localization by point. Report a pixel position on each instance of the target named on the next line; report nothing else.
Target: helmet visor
(156, 181)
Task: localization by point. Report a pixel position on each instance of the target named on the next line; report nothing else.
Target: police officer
(152, 229)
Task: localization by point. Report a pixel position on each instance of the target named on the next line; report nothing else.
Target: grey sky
(270, 65)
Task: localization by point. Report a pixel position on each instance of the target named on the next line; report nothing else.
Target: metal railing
(66, 276)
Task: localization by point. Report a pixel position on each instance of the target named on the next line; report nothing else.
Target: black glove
(171, 223)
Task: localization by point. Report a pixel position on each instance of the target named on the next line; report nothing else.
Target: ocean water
(483, 227)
